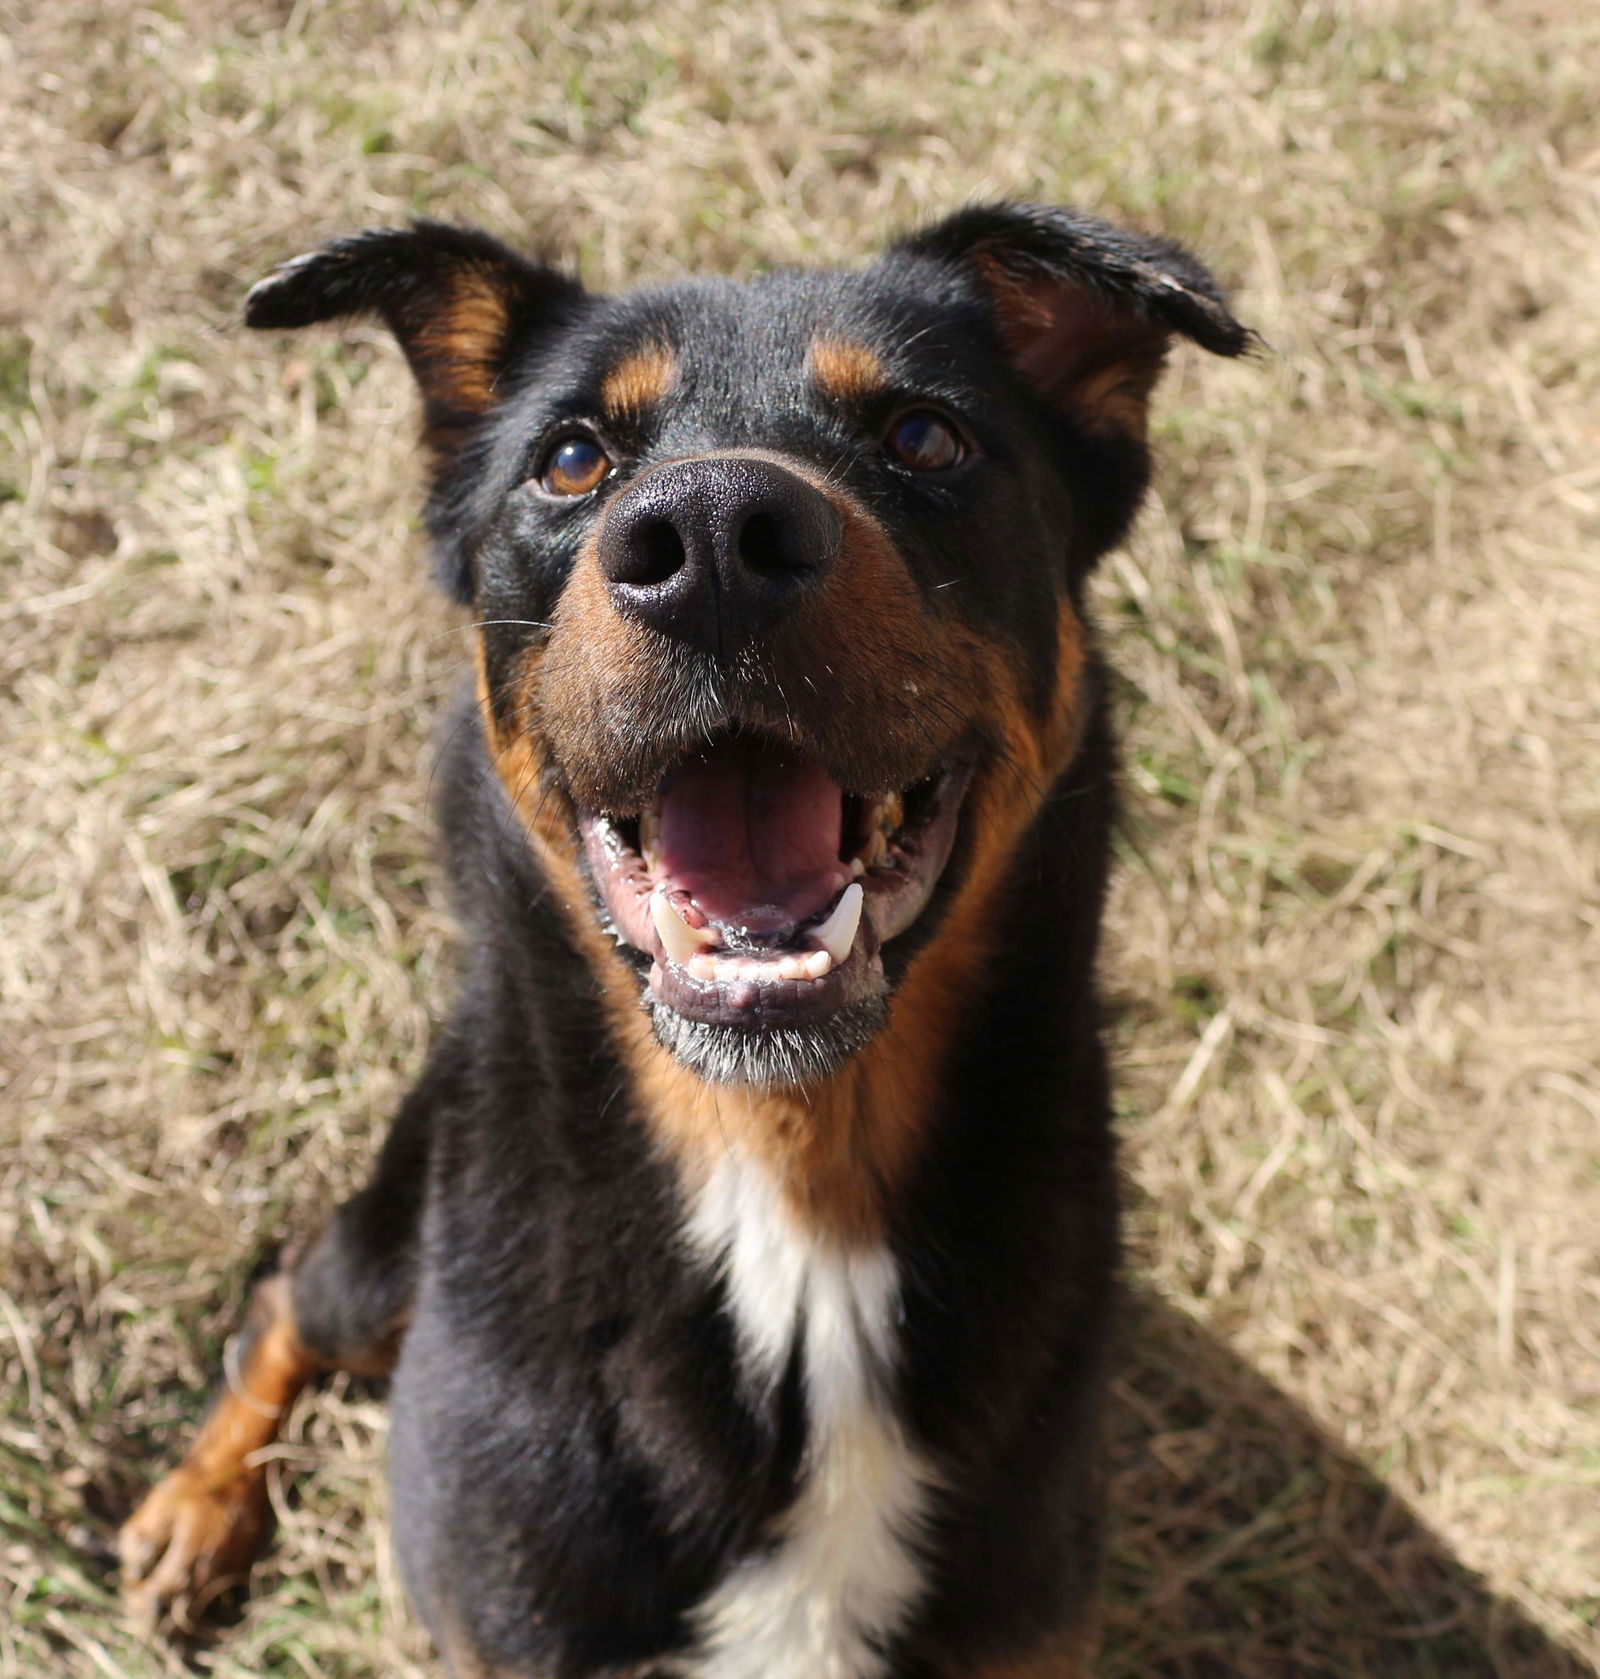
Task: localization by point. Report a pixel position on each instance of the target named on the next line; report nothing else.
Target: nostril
(763, 545)
(657, 552)
(712, 549)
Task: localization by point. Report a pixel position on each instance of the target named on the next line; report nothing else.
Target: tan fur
(198, 1528)
(1108, 393)
(846, 370)
(274, 1371)
(1024, 310)
(639, 382)
(459, 346)
(1116, 396)
(520, 761)
(591, 649)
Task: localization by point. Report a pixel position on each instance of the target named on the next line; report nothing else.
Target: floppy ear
(1087, 309)
(461, 306)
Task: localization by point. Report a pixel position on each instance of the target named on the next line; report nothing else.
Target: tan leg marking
(197, 1530)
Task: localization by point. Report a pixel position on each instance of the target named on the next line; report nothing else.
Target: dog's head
(779, 582)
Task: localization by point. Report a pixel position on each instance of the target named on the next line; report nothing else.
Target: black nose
(711, 551)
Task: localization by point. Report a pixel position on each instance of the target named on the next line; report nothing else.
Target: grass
(1355, 953)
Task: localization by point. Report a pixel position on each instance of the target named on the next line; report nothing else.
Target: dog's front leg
(197, 1530)
(342, 1306)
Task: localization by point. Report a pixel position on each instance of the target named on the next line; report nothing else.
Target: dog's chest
(842, 1572)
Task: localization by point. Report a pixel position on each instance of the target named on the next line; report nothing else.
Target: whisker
(492, 623)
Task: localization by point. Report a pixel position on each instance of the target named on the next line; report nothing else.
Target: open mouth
(757, 893)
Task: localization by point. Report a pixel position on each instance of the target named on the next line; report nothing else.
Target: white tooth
(838, 932)
(816, 965)
(703, 967)
(678, 938)
(857, 868)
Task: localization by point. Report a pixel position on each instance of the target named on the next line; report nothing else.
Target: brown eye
(574, 468)
(924, 442)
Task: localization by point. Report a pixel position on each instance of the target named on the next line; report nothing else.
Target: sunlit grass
(1353, 962)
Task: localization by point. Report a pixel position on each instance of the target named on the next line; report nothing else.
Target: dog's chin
(773, 1057)
(755, 896)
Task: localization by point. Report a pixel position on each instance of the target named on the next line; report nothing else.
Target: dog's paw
(192, 1538)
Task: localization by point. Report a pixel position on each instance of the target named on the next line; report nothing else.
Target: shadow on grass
(1246, 1544)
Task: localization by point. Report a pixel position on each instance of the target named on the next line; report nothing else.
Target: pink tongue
(752, 836)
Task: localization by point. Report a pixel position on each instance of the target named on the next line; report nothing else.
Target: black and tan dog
(746, 1255)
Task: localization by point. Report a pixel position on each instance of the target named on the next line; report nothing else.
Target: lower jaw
(768, 1033)
(770, 1057)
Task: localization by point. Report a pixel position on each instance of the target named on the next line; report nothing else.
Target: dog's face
(778, 583)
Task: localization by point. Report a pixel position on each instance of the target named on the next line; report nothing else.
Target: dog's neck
(836, 1150)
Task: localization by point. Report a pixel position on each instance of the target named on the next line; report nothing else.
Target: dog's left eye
(574, 467)
(925, 442)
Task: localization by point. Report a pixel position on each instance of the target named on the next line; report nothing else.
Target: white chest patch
(842, 1576)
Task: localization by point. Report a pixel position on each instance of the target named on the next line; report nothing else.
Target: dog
(744, 1262)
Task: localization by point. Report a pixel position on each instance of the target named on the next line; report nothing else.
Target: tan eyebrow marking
(638, 382)
(846, 370)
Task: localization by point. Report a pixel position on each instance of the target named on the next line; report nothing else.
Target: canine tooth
(680, 941)
(838, 932)
(892, 812)
(703, 967)
(857, 868)
(877, 849)
(816, 965)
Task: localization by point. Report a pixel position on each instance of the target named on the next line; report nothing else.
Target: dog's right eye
(574, 467)
(923, 441)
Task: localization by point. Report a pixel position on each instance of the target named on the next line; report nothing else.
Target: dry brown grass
(1357, 929)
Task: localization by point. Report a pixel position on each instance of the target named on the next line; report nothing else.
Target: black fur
(574, 1465)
